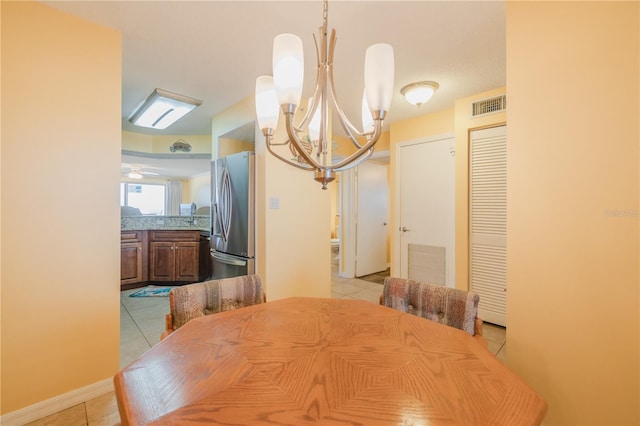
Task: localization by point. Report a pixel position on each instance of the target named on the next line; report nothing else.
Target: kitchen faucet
(192, 219)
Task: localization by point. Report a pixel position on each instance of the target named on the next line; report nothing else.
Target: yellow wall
(228, 146)
(229, 120)
(139, 142)
(293, 244)
(421, 127)
(199, 190)
(384, 142)
(186, 191)
(1, 273)
(60, 233)
(345, 146)
(298, 250)
(573, 207)
(464, 125)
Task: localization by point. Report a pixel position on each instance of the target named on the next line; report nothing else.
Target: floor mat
(152, 291)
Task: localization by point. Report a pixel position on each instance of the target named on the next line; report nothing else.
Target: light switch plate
(274, 203)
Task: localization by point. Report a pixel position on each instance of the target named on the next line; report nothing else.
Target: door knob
(404, 229)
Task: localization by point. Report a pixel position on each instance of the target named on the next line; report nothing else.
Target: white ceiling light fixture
(285, 89)
(420, 92)
(134, 174)
(137, 173)
(163, 108)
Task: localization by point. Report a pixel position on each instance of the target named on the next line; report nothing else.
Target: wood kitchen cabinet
(133, 257)
(174, 255)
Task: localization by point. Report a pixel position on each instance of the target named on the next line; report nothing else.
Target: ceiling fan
(138, 173)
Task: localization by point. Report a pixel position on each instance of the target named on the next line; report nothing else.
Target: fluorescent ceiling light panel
(162, 108)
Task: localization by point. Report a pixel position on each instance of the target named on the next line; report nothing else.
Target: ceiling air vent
(489, 106)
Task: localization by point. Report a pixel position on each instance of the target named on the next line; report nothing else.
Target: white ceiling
(214, 50)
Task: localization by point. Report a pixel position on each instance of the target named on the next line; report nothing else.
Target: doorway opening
(364, 218)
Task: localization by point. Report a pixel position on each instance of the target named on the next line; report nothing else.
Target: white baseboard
(58, 403)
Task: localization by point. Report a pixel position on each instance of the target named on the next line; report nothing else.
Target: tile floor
(142, 322)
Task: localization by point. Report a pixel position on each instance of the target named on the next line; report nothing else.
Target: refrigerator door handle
(226, 201)
(215, 231)
(229, 260)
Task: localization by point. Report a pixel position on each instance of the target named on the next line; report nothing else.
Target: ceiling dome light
(420, 92)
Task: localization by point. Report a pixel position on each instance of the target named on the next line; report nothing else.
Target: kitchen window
(148, 197)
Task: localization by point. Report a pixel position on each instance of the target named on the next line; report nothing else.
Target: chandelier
(284, 91)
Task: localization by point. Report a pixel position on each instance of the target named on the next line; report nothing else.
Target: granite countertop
(168, 223)
(165, 228)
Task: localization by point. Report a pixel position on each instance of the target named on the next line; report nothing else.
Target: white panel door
(425, 207)
(488, 222)
(371, 218)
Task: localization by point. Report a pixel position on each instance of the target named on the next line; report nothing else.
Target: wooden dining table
(303, 361)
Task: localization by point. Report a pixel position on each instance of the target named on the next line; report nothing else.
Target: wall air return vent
(489, 106)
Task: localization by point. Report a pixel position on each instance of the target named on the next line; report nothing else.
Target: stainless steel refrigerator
(233, 215)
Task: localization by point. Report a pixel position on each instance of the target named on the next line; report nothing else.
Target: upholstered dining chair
(210, 297)
(449, 306)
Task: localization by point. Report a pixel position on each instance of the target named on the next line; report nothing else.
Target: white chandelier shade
(288, 68)
(267, 109)
(367, 118)
(287, 82)
(378, 76)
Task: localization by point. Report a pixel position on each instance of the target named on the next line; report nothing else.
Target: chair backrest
(129, 211)
(209, 297)
(450, 306)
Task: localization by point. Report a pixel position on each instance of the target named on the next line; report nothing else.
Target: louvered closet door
(488, 222)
